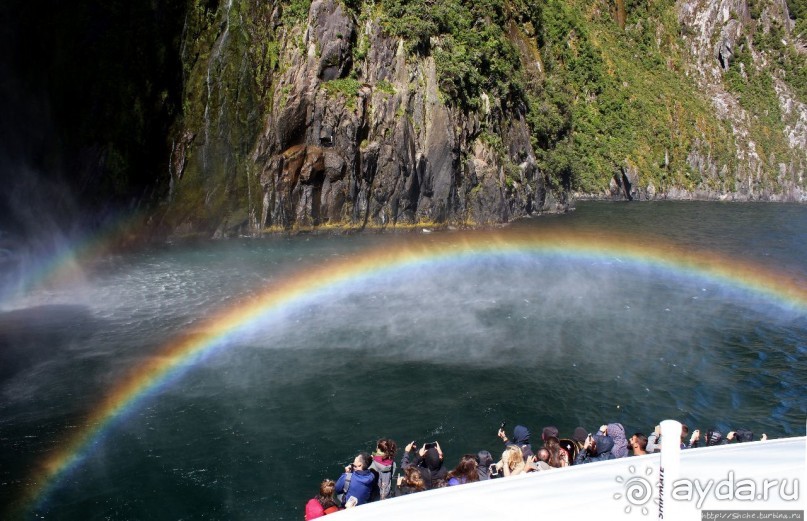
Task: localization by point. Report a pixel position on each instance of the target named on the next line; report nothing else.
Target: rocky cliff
(353, 114)
(747, 61)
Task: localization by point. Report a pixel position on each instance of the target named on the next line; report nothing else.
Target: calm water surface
(441, 351)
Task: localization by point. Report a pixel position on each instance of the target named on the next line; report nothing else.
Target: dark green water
(437, 351)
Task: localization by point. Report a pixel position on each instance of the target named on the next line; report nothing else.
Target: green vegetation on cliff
(612, 92)
(472, 52)
(627, 100)
(605, 99)
(605, 87)
(106, 91)
(229, 56)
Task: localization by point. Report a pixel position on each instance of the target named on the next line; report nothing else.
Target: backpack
(383, 481)
(341, 497)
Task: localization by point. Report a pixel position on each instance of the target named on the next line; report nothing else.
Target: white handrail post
(669, 469)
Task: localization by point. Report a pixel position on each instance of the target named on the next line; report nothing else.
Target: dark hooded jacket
(430, 466)
(603, 452)
(521, 438)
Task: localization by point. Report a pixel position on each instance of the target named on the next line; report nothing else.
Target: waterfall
(215, 61)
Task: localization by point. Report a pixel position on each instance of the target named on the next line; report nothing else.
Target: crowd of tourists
(376, 476)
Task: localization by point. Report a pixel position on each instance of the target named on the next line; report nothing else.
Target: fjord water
(433, 351)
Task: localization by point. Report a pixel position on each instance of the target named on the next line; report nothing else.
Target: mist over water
(442, 350)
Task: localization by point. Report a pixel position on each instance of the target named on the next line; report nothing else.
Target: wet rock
(331, 31)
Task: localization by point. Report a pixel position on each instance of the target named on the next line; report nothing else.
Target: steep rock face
(355, 114)
(378, 148)
(715, 33)
(400, 143)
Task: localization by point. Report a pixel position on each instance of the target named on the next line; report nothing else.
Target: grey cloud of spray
(488, 312)
(603, 321)
(599, 328)
(39, 224)
(568, 325)
(39, 216)
(580, 333)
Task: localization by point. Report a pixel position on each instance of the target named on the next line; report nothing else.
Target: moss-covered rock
(335, 113)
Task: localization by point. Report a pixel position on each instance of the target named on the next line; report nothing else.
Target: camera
(502, 426)
(494, 471)
(430, 445)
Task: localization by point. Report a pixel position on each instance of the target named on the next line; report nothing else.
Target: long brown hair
(465, 470)
(387, 448)
(556, 459)
(326, 491)
(412, 478)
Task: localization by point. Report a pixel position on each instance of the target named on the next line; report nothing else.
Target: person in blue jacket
(357, 481)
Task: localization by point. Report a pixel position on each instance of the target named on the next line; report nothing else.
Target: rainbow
(63, 262)
(183, 352)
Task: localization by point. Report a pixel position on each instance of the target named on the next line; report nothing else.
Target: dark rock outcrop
(298, 120)
(370, 142)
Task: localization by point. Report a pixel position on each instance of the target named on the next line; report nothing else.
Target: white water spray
(215, 61)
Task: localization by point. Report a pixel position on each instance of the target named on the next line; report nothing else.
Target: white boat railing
(741, 480)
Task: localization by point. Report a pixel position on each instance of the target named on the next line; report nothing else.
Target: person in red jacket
(324, 503)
